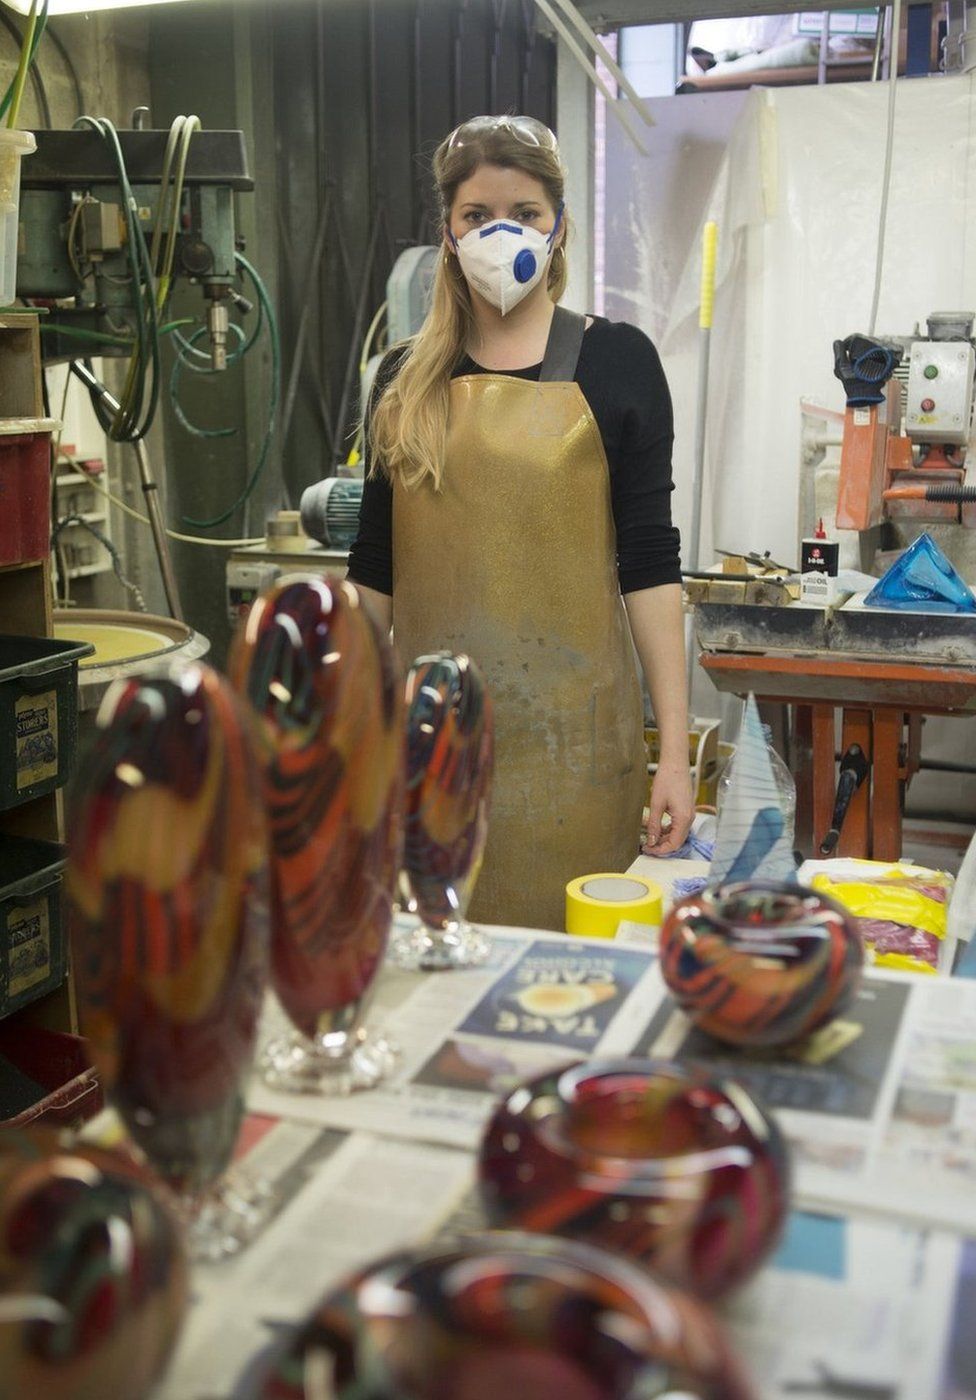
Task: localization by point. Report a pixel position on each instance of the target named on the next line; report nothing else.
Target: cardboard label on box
(28, 946)
(36, 737)
(815, 589)
(819, 590)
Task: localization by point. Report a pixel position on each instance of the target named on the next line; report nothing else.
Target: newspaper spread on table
(465, 1037)
(847, 1307)
(880, 1110)
(342, 1200)
(881, 1114)
(851, 1308)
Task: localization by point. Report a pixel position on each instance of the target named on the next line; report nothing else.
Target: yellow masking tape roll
(597, 904)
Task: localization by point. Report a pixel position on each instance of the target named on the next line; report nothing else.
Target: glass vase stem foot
(224, 1219)
(428, 949)
(296, 1064)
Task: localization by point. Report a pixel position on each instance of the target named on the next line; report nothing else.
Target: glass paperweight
(449, 768)
(506, 1317)
(684, 1173)
(93, 1276)
(167, 887)
(329, 697)
(761, 964)
(922, 579)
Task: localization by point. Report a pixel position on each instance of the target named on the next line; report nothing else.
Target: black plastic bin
(38, 715)
(33, 942)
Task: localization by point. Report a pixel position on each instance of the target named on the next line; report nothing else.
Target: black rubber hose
(854, 768)
(950, 494)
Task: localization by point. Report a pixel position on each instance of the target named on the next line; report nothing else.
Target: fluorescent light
(77, 7)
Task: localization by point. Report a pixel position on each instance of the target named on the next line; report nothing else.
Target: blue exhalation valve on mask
(524, 266)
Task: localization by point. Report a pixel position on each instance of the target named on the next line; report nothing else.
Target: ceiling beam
(604, 15)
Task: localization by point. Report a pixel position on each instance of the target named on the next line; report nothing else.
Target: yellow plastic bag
(901, 909)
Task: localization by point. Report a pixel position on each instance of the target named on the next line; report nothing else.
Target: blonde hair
(408, 425)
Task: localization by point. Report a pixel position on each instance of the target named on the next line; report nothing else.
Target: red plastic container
(25, 489)
(69, 1089)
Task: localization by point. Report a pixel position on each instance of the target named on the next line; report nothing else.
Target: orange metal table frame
(881, 705)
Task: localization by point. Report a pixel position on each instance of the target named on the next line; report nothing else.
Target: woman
(518, 482)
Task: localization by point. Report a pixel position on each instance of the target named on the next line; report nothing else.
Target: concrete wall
(109, 54)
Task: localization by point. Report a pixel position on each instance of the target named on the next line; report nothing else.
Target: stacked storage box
(38, 740)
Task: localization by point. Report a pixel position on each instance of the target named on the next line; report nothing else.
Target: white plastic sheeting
(793, 179)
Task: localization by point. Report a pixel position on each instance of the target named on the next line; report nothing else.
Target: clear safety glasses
(528, 130)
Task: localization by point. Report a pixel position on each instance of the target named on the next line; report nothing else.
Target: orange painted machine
(907, 453)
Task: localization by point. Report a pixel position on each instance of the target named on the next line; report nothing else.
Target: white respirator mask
(503, 261)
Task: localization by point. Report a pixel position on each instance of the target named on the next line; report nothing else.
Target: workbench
(852, 1296)
(879, 674)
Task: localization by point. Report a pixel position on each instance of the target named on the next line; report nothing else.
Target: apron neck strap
(563, 347)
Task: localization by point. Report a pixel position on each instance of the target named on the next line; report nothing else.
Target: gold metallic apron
(514, 562)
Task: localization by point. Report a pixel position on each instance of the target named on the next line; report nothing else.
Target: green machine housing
(74, 168)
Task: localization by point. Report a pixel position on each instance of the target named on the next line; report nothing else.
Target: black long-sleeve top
(620, 375)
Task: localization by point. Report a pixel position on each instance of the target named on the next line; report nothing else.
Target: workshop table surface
(877, 1294)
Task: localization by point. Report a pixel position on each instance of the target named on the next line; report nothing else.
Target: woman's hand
(670, 794)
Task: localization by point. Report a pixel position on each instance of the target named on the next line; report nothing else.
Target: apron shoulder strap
(563, 347)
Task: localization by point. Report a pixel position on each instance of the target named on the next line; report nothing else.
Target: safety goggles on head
(528, 130)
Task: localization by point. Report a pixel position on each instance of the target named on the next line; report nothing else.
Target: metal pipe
(893, 40)
(590, 69)
(709, 246)
(824, 47)
(707, 301)
(941, 765)
(935, 765)
(701, 410)
(879, 38)
(150, 491)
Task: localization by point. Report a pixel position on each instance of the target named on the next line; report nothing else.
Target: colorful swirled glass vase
(93, 1274)
(683, 1172)
(760, 963)
(168, 899)
(326, 687)
(450, 736)
(510, 1316)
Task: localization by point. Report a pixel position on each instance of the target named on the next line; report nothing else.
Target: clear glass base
(438, 949)
(223, 1220)
(297, 1065)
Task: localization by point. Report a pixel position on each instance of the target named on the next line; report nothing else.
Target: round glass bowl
(684, 1173)
(507, 1315)
(93, 1274)
(761, 964)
